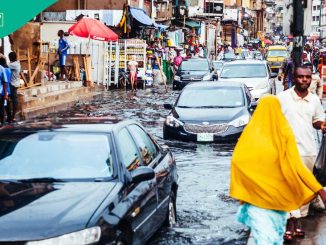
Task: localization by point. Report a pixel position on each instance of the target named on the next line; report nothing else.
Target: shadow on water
(206, 213)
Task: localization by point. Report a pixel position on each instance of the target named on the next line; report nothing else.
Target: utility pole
(297, 31)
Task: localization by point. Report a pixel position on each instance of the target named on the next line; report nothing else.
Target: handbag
(320, 165)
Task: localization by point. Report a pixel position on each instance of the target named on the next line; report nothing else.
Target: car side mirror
(165, 147)
(273, 75)
(168, 106)
(253, 105)
(141, 174)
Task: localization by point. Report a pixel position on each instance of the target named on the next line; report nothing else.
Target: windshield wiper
(184, 106)
(44, 179)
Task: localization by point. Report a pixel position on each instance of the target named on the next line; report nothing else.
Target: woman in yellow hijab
(267, 174)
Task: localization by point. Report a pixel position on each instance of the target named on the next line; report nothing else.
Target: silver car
(255, 74)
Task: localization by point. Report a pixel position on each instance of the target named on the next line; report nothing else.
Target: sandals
(288, 236)
(292, 230)
(299, 233)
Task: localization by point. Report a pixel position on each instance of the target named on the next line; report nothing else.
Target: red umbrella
(93, 29)
(267, 41)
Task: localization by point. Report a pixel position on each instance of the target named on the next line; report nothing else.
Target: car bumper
(179, 133)
(258, 93)
(182, 84)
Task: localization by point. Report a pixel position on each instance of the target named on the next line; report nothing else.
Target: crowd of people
(10, 82)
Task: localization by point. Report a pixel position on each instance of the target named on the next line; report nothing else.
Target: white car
(255, 74)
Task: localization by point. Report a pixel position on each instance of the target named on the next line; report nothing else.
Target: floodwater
(205, 212)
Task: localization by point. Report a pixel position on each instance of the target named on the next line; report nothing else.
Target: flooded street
(206, 214)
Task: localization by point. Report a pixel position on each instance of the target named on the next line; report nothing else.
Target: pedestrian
(15, 68)
(63, 47)
(177, 60)
(133, 65)
(316, 86)
(267, 174)
(286, 71)
(304, 113)
(7, 104)
(322, 68)
(3, 94)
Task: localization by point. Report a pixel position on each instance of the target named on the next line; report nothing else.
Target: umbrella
(267, 41)
(93, 29)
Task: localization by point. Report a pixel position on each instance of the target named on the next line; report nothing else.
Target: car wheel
(165, 135)
(171, 217)
(122, 240)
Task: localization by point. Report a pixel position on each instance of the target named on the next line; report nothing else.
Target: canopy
(93, 29)
(141, 16)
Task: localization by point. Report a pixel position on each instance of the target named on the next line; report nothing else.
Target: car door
(163, 165)
(143, 195)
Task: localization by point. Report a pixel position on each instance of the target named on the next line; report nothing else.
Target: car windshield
(194, 65)
(218, 65)
(273, 53)
(211, 97)
(244, 71)
(56, 155)
(229, 56)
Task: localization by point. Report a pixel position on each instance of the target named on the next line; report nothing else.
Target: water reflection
(206, 214)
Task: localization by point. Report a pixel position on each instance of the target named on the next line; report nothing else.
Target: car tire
(165, 135)
(122, 239)
(171, 216)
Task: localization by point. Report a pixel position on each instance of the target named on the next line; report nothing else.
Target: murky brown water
(206, 214)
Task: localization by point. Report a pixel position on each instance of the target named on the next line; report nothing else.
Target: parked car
(84, 184)
(218, 65)
(209, 111)
(256, 74)
(257, 55)
(276, 55)
(227, 57)
(193, 70)
(246, 54)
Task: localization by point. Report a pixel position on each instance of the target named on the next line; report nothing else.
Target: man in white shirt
(305, 113)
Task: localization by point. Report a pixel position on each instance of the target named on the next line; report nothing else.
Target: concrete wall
(287, 16)
(63, 5)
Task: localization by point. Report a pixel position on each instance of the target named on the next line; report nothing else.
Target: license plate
(205, 137)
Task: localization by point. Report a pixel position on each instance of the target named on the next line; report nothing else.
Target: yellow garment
(267, 170)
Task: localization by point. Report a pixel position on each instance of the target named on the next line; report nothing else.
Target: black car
(105, 183)
(210, 111)
(193, 70)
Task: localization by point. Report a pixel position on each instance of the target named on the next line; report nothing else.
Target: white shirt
(301, 113)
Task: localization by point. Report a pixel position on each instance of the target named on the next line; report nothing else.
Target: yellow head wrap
(267, 170)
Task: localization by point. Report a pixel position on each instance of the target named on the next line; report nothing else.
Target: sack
(320, 164)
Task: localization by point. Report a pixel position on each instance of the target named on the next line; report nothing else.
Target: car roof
(83, 125)
(195, 59)
(214, 84)
(276, 47)
(238, 62)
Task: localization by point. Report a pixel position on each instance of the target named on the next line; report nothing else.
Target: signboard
(214, 7)
(230, 14)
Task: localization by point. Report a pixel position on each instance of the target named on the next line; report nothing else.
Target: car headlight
(207, 77)
(87, 236)
(173, 122)
(240, 121)
(177, 78)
